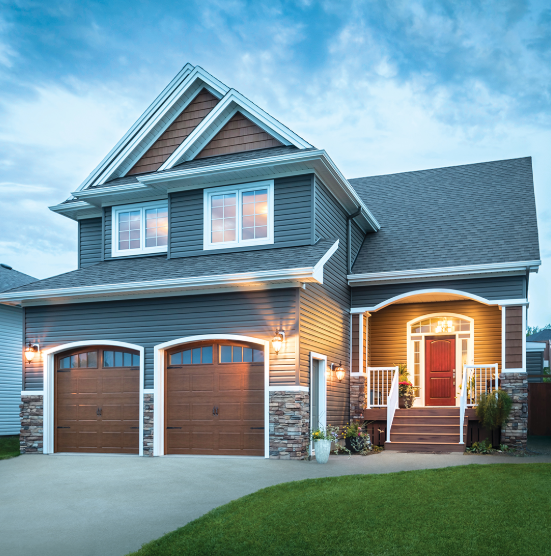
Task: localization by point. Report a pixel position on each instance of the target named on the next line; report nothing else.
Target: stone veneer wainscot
(31, 439)
(289, 425)
(514, 432)
(148, 424)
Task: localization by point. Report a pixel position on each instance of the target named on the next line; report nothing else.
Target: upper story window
(140, 229)
(239, 215)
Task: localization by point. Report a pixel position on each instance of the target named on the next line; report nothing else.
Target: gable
(238, 135)
(177, 132)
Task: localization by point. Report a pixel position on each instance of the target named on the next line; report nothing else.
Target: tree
(535, 329)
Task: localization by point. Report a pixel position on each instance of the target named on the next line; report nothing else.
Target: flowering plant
(405, 388)
(353, 430)
(326, 433)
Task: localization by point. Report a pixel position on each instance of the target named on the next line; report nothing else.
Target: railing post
(368, 387)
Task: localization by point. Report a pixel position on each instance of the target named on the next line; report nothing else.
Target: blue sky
(383, 87)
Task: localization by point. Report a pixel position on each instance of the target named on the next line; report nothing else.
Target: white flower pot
(322, 448)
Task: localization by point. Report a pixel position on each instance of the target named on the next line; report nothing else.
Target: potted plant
(322, 438)
(406, 390)
(355, 439)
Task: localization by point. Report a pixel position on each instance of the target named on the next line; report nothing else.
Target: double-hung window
(140, 229)
(239, 215)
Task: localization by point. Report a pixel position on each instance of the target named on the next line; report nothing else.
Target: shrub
(493, 409)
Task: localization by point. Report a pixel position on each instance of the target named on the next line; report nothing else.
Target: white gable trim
(155, 120)
(219, 116)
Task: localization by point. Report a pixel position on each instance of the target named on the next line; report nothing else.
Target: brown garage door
(215, 399)
(97, 400)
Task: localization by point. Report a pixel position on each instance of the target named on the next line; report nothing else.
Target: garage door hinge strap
(174, 427)
(63, 427)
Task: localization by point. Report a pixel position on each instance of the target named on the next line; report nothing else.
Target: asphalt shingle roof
(141, 269)
(461, 215)
(541, 336)
(10, 278)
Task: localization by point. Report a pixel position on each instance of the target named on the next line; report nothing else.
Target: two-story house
(234, 290)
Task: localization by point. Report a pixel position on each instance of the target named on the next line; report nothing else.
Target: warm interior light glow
(277, 341)
(30, 351)
(339, 372)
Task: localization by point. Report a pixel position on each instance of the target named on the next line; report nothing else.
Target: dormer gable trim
(154, 121)
(219, 116)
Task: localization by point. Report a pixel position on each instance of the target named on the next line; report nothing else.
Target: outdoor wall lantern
(445, 326)
(30, 351)
(339, 370)
(277, 340)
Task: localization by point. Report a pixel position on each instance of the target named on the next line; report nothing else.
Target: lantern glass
(29, 354)
(277, 342)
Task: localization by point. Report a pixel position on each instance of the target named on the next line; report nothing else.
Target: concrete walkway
(110, 505)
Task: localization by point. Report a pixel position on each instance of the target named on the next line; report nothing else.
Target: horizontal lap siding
(357, 240)
(292, 217)
(505, 287)
(148, 322)
(324, 310)
(388, 330)
(11, 352)
(89, 246)
(513, 337)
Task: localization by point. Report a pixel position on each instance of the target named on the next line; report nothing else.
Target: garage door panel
(67, 440)
(236, 389)
(67, 412)
(112, 385)
(88, 440)
(87, 412)
(87, 385)
(68, 385)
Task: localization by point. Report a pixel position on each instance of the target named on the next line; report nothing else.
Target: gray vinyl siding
(11, 349)
(89, 241)
(149, 322)
(502, 287)
(534, 366)
(358, 237)
(324, 309)
(292, 218)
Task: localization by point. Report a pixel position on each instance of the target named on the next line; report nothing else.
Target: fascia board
(99, 195)
(318, 268)
(305, 274)
(182, 74)
(519, 267)
(198, 74)
(77, 211)
(233, 97)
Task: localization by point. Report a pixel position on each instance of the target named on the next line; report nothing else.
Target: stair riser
(427, 429)
(424, 448)
(425, 421)
(429, 411)
(424, 438)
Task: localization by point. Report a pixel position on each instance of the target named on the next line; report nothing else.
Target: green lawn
(9, 446)
(501, 509)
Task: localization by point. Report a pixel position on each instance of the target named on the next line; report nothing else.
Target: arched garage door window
(215, 399)
(97, 400)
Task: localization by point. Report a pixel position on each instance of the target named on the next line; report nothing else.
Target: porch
(451, 352)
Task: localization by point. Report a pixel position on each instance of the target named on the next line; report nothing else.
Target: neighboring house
(538, 348)
(235, 290)
(11, 352)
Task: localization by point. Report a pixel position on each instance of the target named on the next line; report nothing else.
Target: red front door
(440, 370)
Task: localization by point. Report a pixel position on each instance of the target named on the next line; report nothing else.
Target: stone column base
(289, 425)
(357, 397)
(148, 405)
(514, 432)
(31, 439)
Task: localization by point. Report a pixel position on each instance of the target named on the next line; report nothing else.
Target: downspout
(349, 222)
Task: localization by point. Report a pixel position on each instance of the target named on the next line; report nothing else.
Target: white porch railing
(379, 382)
(392, 403)
(462, 404)
(479, 379)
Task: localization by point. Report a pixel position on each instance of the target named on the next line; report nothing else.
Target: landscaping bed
(9, 447)
(477, 509)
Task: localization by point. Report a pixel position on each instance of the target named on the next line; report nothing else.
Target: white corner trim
(322, 390)
(524, 338)
(318, 268)
(513, 371)
(159, 382)
(32, 392)
(238, 189)
(358, 374)
(467, 270)
(49, 395)
(503, 321)
(474, 297)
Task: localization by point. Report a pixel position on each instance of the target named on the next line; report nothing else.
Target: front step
(430, 429)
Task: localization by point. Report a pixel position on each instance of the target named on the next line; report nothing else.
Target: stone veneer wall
(31, 439)
(515, 432)
(148, 402)
(289, 425)
(357, 397)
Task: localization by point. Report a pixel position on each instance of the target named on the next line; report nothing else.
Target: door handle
(453, 377)
(216, 410)
(213, 410)
(98, 411)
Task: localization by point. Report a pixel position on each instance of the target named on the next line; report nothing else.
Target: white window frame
(142, 207)
(238, 190)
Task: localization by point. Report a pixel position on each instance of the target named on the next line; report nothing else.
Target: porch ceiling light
(30, 351)
(339, 371)
(445, 326)
(277, 341)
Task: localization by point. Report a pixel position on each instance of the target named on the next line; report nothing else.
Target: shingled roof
(461, 215)
(10, 278)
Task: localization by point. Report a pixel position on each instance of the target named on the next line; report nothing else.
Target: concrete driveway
(110, 505)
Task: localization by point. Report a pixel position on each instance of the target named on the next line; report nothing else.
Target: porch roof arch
(436, 294)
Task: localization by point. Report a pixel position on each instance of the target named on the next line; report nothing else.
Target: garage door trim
(159, 364)
(48, 356)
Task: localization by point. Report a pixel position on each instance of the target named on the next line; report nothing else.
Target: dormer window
(239, 215)
(140, 229)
